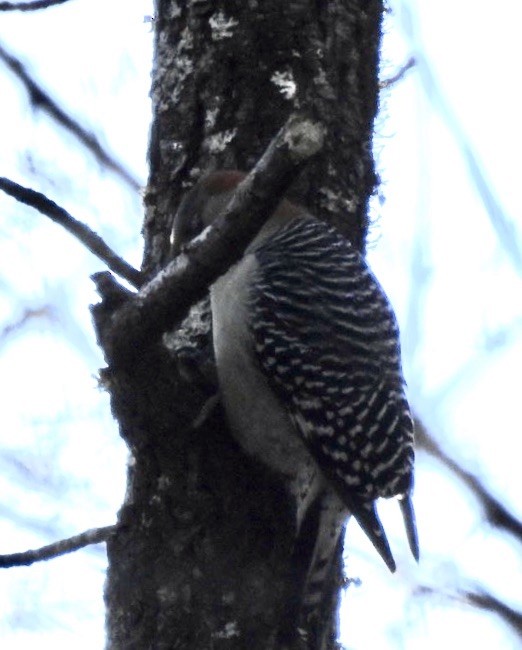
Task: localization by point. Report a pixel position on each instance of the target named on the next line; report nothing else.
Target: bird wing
(327, 340)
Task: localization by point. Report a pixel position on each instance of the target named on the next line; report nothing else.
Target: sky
(445, 243)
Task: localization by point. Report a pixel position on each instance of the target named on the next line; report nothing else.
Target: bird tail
(410, 524)
(366, 515)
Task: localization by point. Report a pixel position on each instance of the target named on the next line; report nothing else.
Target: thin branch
(30, 6)
(41, 99)
(504, 225)
(28, 315)
(496, 513)
(83, 233)
(482, 600)
(420, 274)
(62, 547)
(165, 300)
(489, 603)
(399, 75)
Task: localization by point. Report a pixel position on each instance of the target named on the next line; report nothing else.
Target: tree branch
(496, 513)
(30, 6)
(482, 600)
(488, 602)
(504, 225)
(167, 298)
(83, 233)
(41, 99)
(29, 314)
(401, 72)
(62, 547)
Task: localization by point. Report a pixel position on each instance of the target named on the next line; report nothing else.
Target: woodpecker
(308, 361)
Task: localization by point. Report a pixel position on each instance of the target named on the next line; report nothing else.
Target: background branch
(390, 81)
(83, 233)
(503, 224)
(29, 314)
(30, 6)
(41, 99)
(62, 547)
(480, 599)
(491, 604)
(496, 513)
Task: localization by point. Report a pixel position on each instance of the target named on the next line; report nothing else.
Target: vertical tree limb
(205, 548)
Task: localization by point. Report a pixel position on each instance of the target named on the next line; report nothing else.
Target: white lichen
(219, 141)
(184, 66)
(304, 138)
(164, 482)
(222, 27)
(186, 41)
(166, 595)
(230, 630)
(175, 11)
(334, 202)
(170, 147)
(285, 82)
(211, 117)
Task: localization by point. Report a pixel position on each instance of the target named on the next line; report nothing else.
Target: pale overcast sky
(446, 249)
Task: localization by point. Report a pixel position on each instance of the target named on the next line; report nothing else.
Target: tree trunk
(203, 551)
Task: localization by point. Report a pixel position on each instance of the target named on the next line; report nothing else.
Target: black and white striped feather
(327, 339)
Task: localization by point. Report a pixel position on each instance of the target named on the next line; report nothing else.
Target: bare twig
(62, 547)
(83, 233)
(420, 275)
(496, 513)
(482, 600)
(30, 6)
(167, 298)
(503, 224)
(386, 83)
(41, 99)
(28, 314)
(488, 602)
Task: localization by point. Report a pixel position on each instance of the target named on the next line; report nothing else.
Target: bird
(309, 366)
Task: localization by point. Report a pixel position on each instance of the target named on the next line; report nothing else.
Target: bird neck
(284, 214)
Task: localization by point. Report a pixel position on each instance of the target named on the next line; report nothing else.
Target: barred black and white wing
(327, 340)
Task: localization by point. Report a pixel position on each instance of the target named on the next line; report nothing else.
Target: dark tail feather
(408, 515)
(366, 515)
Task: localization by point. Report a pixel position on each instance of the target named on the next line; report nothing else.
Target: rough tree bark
(206, 534)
